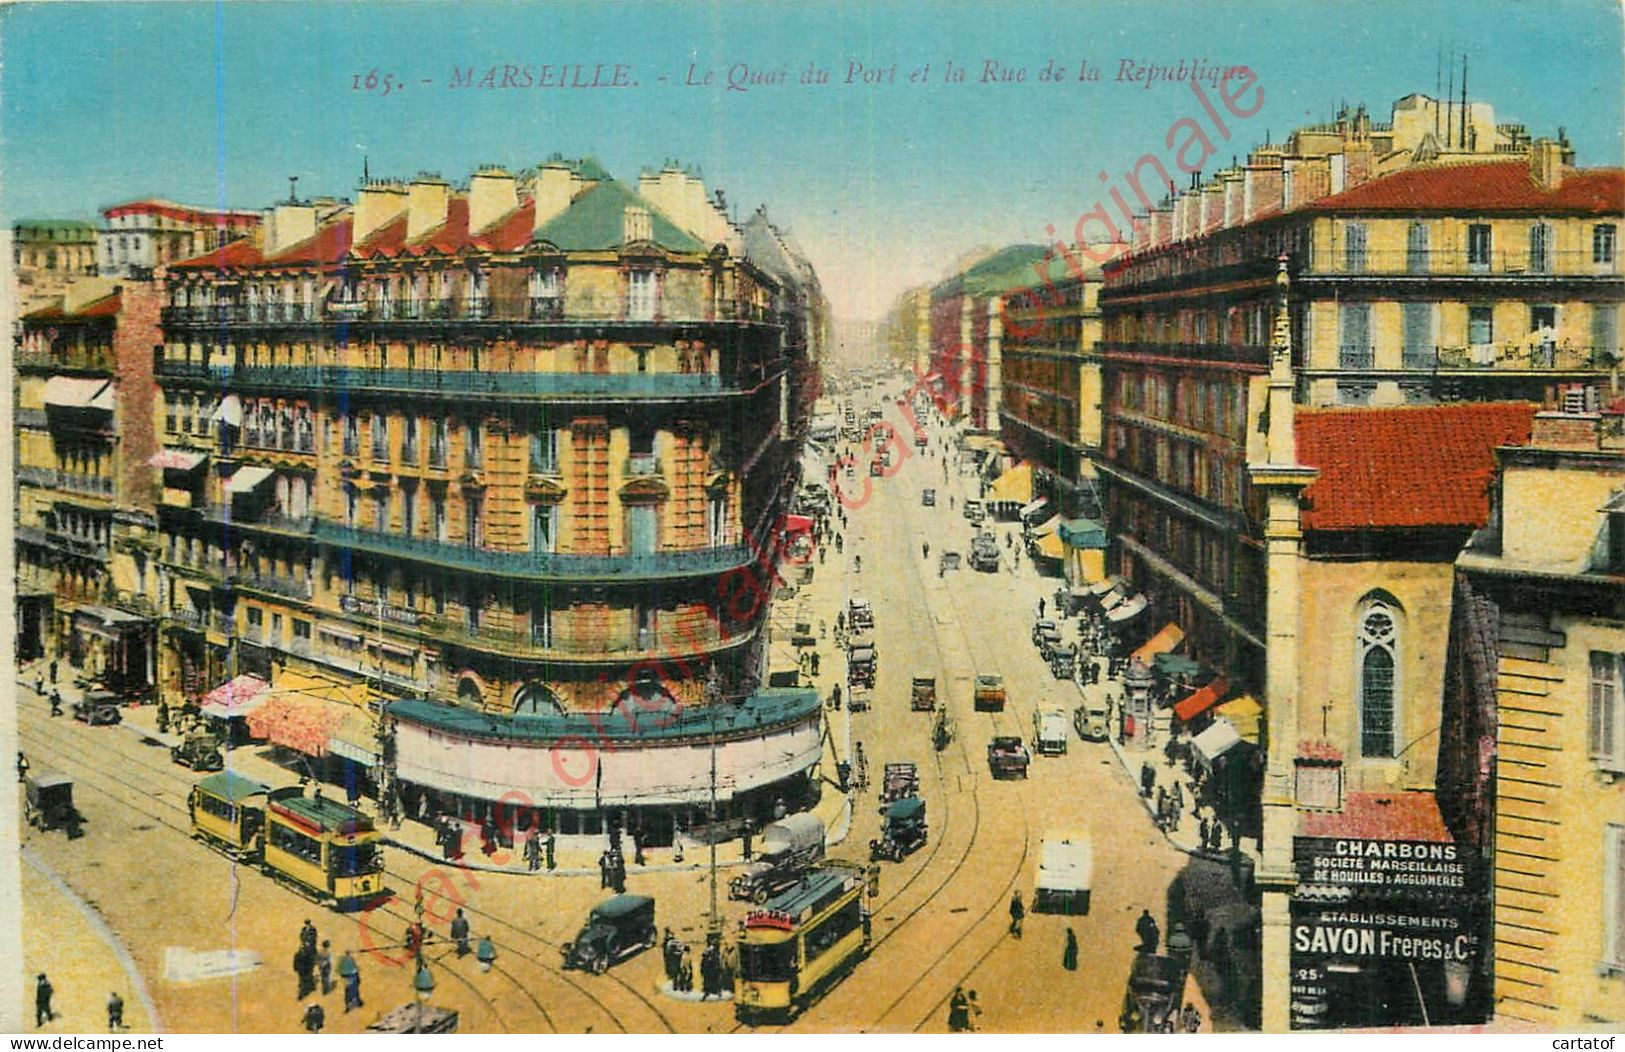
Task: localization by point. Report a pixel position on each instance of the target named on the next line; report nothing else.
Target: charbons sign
(1381, 865)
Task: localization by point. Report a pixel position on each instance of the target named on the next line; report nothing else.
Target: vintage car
(48, 803)
(1063, 660)
(860, 616)
(415, 1019)
(988, 694)
(902, 830)
(99, 709)
(928, 498)
(1007, 757)
(973, 511)
(1090, 719)
(616, 929)
(899, 780)
(1049, 732)
(947, 561)
(984, 553)
(923, 692)
(860, 667)
(200, 751)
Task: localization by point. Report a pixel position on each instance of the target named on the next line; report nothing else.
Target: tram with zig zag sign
(801, 942)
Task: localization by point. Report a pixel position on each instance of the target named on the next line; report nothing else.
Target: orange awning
(1170, 636)
(1201, 699)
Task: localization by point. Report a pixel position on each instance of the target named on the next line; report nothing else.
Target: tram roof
(228, 785)
(324, 813)
(808, 892)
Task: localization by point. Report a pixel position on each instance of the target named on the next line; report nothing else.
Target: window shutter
(1604, 714)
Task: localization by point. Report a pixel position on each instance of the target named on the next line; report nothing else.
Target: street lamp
(422, 987)
(713, 696)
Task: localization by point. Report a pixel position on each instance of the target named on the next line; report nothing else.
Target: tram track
(54, 741)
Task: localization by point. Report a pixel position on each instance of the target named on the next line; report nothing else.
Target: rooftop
(1405, 467)
(1487, 186)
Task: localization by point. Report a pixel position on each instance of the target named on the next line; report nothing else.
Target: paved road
(940, 921)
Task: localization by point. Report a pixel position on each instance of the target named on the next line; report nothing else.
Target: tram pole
(713, 693)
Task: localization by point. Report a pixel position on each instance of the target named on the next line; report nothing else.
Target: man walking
(324, 965)
(350, 974)
(1069, 956)
(304, 966)
(459, 932)
(115, 1012)
(533, 850)
(42, 1001)
(1018, 913)
(958, 1012)
(1146, 928)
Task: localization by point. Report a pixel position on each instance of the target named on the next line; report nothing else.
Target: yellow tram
(228, 813)
(326, 848)
(801, 941)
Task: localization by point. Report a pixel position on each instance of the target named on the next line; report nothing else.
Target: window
(438, 442)
(276, 628)
(1355, 338)
(544, 527)
(471, 610)
(1478, 246)
(169, 414)
(642, 529)
(1540, 248)
(1480, 325)
(474, 521)
(1418, 349)
(409, 440)
(1354, 248)
(305, 429)
(1604, 327)
(256, 622)
(1378, 653)
(1416, 249)
(1602, 243)
(544, 452)
(541, 625)
(380, 510)
(640, 295)
(1613, 918)
(352, 435)
(475, 449)
(409, 507)
(716, 521)
(437, 509)
(380, 437)
(1606, 723)
(350, 502)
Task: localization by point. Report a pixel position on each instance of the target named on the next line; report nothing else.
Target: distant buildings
(138, 236)
(49, 254)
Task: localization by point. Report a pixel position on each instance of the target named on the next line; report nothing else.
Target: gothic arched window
(1378, 660)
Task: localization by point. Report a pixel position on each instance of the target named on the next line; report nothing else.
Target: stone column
(995, 358)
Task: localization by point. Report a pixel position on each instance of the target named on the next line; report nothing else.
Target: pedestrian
(42, 1001)
(485, 953)
(815, 664)
(1146, 928)
(459, 932)
(958, 1012)
(1162, 801)
(304, 967)
(670, 955)
(685, 971)
(1069, 956)
(975, 1010)
(533, 850)
(710, 962)
(315, 1018)
(747, 838)
(1041, 608)
(22, 767)
(1204, 833)
(307, 935)
(115, 1012)
(53, 672)
(1018, 913)
(925, 550)
(548, 845)
(39, 683)
(603, 870)
(56, 702)
(637, 852)
(324, 966)
(350, 974)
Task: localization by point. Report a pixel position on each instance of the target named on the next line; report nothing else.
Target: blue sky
(884, 184)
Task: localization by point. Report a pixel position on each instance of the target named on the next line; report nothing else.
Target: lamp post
(422, 987)
(713, 697)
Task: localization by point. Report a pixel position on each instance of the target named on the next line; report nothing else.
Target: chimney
(427, 200)
(635, 225)
(287, 225)
(492, 194)
(556, 186)
(1546, 164)
(377, 205)
(1234, 184)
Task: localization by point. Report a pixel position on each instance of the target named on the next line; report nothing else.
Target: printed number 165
(372, 82)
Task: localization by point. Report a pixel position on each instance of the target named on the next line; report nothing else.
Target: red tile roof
(1416, 466)
(1487, 186)
(106, 307)
(1380, 816)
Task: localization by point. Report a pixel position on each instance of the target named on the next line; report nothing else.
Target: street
(940, 922)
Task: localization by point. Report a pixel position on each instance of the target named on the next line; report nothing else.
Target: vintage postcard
(846, 517)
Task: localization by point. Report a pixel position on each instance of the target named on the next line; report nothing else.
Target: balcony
(286, 587)
(415, 382)
(1506, 263)
(1215, 352)
(547, 308)
(605, 646)
(1355, 356)
(539, 310)
(37, 476)
(1521, 358)
(65, 359)
(630, 567)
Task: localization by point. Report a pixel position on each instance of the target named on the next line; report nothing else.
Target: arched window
(469, 693)
(1377, 660)
(536, 699)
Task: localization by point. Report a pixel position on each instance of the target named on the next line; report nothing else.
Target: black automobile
(99, 709)
(616, 929)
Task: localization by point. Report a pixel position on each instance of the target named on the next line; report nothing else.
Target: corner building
(505, 466)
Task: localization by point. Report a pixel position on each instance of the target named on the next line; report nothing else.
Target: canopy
(1201, 699)
(315, 715)
(1014, 486)
(1083, 533)
(235, 698)
(1243, 713)
(1050, 547)
(230, 410)
(73, 392)
(1033, 509)
(1216, 740)
(797, 524)
(1168, 637)
(1127, 609)
(1047, 527)
(1176, 665)
(177, 459)
(1102, 587)
(247, 478)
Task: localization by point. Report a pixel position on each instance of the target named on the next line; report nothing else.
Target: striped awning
(73, 392)
(247, 478)
(237, 697)
(177, 459)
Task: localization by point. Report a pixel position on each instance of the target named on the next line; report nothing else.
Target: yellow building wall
(1334, 595)
(1553, 807)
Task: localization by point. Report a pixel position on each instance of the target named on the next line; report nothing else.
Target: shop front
(1385, 933)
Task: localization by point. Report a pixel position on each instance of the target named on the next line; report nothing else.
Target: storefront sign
(1374, 933)
(1377, 865)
